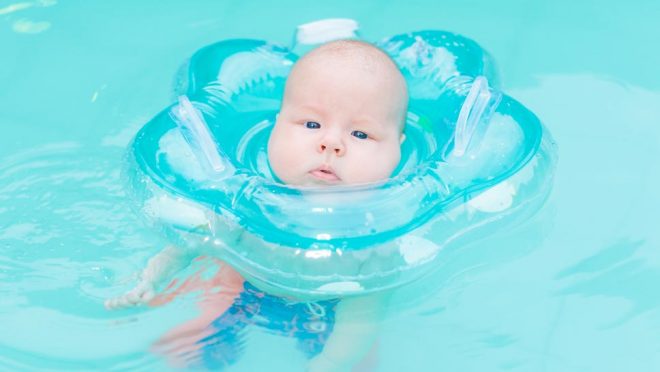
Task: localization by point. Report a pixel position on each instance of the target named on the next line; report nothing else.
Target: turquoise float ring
(474, 160)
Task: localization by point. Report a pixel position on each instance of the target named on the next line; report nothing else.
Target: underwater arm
(170, 261)
(356, 327)
(159, 268)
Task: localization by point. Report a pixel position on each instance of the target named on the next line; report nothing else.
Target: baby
(341, 122)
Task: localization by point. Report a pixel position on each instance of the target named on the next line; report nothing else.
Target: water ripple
(68, 238)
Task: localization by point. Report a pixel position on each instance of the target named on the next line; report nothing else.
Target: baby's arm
(356, 327)
(160, 267)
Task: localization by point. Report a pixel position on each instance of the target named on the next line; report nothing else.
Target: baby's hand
(141, 294)
(160, 267)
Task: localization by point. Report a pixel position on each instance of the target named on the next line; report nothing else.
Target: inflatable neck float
(474, 160)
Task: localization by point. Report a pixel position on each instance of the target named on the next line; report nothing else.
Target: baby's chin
(308, 180)
(313, 182)
(321, 183)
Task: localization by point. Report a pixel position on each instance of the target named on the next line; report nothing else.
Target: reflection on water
(24, 25)
(615, 272)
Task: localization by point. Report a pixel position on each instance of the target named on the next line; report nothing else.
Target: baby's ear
(402, 138)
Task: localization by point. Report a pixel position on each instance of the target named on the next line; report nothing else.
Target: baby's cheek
(382, 164)
(285, 160)
(276, 158)
(279, 163)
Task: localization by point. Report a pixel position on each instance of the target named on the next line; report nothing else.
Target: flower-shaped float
(474, 160)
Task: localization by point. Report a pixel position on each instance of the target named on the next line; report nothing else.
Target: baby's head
(342, 117)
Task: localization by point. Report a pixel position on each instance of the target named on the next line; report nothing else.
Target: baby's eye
(312, 125)
(359, 134)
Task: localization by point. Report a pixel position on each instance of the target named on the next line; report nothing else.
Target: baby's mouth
(325, 173)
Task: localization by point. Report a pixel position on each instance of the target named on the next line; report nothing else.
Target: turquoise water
(573, 289)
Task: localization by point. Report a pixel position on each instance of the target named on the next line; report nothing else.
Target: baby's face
(338, 124)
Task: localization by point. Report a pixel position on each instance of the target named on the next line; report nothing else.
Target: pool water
(573, 289)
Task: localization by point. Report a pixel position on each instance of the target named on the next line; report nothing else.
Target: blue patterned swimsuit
(309, 322)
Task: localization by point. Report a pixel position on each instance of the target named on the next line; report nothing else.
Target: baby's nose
(331, 145)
